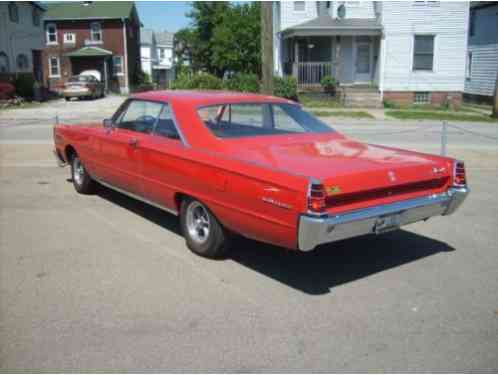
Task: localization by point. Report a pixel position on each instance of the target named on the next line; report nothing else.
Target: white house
(482, 55)
(156, 51)
(404, 51)
(148, 51)
(165, 57)
(21, 37)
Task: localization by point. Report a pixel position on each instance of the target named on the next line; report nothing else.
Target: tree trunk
(267, 47)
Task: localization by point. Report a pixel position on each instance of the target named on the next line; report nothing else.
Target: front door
(363, 62)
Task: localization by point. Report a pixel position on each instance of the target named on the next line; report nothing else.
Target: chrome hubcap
(78, 171)
(197, 220)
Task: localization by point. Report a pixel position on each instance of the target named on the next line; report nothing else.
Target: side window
(283, 121)
(244, 114)
(165, 126)
(140, 116)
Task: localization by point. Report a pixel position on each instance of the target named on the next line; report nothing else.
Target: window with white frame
(117, 62)
(422, 97)
(51, 33)
(468, 70)
(13, 12)
(22, 62)
(96, 32)
(162, 54)
(35, 15)
(69, 38)
(423, 53)
(54, 67)
(4, 63)
(299, 6)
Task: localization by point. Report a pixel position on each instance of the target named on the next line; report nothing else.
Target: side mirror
(108, 123)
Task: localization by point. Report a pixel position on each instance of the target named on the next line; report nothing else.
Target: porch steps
(361, 97)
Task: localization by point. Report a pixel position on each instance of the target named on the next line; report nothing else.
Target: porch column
(338, 58)
(295, 65)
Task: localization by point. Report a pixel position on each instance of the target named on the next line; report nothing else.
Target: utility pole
(495, 102)
(267, 47)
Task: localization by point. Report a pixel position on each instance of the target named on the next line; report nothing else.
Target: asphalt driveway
(103, 282)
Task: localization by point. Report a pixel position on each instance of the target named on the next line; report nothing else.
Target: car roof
(207, 97)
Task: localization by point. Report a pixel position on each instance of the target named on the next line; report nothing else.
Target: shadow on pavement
(319, 271)
(316, 272)
(148, 212)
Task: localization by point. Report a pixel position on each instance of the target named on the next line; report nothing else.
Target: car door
(121, 145)
(164, 165)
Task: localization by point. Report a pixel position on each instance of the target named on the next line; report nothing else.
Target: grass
(438, 115)
(24, 105)
(319, 101)
(350, 114)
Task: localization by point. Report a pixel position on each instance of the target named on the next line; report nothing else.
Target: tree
(223, 37)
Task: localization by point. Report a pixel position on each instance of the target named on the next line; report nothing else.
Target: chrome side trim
(137, 197)
(314, 231)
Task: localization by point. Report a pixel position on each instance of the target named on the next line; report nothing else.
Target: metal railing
(310, 74)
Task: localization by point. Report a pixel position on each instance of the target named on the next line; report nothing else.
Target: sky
(163, 15)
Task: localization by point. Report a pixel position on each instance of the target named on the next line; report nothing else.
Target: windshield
(79, 79)
(255, 119)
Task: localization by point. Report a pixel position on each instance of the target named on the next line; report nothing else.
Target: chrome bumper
(314, 231)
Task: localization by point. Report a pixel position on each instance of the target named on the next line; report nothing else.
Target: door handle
(133, 142)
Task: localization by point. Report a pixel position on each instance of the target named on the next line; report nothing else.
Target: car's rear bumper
(74, 94)
(314, 231)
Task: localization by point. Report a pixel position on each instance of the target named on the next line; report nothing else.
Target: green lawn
(350, 114)
(319, 101)
(438, 115)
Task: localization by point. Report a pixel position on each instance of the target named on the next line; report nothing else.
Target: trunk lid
(352, 172)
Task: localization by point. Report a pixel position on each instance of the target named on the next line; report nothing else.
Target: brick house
(98, 35)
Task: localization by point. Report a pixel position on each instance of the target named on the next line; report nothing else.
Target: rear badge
(438, 170)
(276, 203)
(333, 190)
(392, 176)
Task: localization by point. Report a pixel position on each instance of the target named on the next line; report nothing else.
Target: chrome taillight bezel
(459, 169)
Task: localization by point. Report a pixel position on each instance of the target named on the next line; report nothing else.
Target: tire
(82, 181)
(204, 235)
(67, 98)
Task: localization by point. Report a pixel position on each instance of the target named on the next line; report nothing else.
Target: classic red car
(259, 166)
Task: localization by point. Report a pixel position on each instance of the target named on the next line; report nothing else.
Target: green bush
(391, 104)
(242, 82)
(285, 87)
(24, 85)
(201, 81)
(329, 84)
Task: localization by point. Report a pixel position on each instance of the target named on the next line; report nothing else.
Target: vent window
(422, 97)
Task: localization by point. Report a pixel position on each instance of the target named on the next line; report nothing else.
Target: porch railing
(309, 74)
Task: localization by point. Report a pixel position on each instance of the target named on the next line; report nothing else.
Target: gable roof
(89, 10)
(89, 52)
(164, 38)
(146, 36)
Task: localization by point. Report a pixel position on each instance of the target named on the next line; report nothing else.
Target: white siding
(146, 60)
(354, 9)
(484, 47)
(293, 18)
(448, 21)
(21, 37)
(484, 70)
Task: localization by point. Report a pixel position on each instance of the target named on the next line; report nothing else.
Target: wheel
(82, 181)
(203, 233)
(67, 98)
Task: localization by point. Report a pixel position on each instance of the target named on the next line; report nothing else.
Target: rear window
(257, 119)
(79, 79)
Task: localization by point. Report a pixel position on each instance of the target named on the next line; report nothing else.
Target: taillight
(459, 178)
(316, 198)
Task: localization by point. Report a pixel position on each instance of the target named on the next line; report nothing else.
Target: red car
(259, 166)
